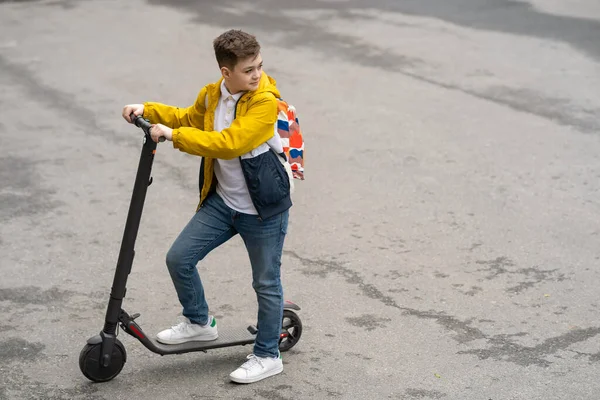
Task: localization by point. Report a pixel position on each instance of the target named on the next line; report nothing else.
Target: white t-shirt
(231, 184)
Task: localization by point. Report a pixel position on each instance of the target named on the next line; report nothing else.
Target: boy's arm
(245, 133)
(175, 117)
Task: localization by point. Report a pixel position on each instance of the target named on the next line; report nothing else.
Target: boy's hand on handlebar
(159, 130)
(136, 109)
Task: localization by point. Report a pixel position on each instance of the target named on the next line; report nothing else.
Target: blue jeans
(213, 225)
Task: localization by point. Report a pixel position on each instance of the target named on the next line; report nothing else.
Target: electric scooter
(104, 356)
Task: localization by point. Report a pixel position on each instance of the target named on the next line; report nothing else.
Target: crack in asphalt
(501, 347)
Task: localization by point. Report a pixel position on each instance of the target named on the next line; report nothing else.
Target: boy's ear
(225, 72)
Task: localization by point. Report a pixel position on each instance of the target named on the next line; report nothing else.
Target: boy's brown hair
(235, 45)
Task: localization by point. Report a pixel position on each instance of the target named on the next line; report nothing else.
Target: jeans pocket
(284, 222)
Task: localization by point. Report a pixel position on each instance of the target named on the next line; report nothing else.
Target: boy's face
(245, 75)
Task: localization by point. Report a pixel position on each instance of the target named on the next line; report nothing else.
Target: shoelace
(252, 361)
(180, 327)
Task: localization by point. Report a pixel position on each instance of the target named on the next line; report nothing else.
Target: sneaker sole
(258, 378)
(192, 339)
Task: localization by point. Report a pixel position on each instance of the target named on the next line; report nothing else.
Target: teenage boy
(244, 189)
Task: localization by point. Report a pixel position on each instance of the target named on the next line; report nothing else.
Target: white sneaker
(189, 332)
(257, 368)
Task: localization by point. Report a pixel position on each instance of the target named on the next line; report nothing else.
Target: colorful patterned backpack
(288, 128)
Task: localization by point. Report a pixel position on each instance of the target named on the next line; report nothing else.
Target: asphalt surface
(445, 244)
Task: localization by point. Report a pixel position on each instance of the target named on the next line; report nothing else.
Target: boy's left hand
(158, 130)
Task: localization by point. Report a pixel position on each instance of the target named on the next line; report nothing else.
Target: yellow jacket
(193, 127)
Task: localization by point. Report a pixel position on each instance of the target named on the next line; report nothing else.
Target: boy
(244, 189)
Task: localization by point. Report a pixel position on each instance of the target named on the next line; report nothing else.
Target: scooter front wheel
(89, 362)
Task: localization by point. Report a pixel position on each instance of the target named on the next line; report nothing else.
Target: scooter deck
(237, 336)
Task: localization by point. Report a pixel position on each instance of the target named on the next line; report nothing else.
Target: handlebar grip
(140, 122)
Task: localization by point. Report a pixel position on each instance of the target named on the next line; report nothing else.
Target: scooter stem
(134, 216)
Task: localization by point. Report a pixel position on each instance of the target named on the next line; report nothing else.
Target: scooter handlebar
(140, 122)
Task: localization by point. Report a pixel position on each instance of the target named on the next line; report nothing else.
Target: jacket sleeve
(175, 117)
(246, 133)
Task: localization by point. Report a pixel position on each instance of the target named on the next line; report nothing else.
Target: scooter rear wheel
(89, 362)
(291, 330)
